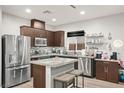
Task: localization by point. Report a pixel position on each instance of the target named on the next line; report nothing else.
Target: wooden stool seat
(75, 72)
(65, 79)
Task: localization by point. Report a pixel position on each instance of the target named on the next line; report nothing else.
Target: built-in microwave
(40, 41)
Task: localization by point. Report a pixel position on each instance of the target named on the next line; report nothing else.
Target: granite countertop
(54, 62)
(62, 55)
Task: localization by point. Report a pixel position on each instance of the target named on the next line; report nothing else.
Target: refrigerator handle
(14, 75)
(15, 68)
(22, 67)
(23, 52)
(87, 65)
(82, 64)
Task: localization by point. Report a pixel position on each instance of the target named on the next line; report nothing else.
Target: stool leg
(63, 85)
(66, 85)
(54, 84)
(76, 81)
(82, 81)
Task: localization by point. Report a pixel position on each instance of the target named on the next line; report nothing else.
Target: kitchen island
(45, 70)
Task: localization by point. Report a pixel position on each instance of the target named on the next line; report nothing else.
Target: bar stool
(65, 79)
(77, 73)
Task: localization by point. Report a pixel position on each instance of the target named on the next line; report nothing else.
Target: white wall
(113, 24)
(11, 24)
(0, 41)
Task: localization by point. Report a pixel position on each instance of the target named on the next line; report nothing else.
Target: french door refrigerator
(15, 60)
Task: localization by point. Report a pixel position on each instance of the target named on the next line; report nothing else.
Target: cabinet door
(59, 38)
(38, 76)
(101, 71)
(26, 31)
(37, 24)
(80, 46)
(50, 38)
(72, 46)
(112, 70)
(40, 33)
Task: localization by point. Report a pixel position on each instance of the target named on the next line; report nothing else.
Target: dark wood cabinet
(59, 38)
(72, 46)
(26, 31)
(37, 24)
(80, 46)
(113, 71)
(107, 71)
(100, 71)
(38, 76)
(55, 38)
(32, 32)
(40, 33)
(31, 70)
(50, 38)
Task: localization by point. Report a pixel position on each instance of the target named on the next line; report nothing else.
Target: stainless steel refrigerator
(15, 60)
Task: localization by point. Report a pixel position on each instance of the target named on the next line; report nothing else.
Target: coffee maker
(114, 55)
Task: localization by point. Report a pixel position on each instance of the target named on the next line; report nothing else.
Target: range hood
(76, 33)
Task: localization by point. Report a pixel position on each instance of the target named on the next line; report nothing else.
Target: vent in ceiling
(72, 6)
(47, 12)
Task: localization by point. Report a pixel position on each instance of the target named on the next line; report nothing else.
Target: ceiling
(64, 14)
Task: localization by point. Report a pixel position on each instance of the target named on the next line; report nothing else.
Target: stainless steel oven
(40, 41)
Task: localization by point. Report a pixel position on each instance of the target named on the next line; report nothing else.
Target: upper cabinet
(55, 38)
(32, 32)
(37, 29)
(40, 33)
(50, 38)
(59, 38)
(37, 24)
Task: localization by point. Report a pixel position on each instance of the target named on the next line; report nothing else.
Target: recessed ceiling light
(28, 10)
(54, 19)
(82, 12)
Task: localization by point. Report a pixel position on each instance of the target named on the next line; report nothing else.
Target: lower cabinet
(107, 71)
(39, 76)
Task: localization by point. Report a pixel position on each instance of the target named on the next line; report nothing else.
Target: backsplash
(46, 50)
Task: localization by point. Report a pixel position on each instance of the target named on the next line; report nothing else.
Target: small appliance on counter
(114, 55)
(99, 54)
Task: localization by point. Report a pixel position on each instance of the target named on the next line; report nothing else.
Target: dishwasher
(87, 65)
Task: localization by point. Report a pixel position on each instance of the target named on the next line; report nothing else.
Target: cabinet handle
(105, 69)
